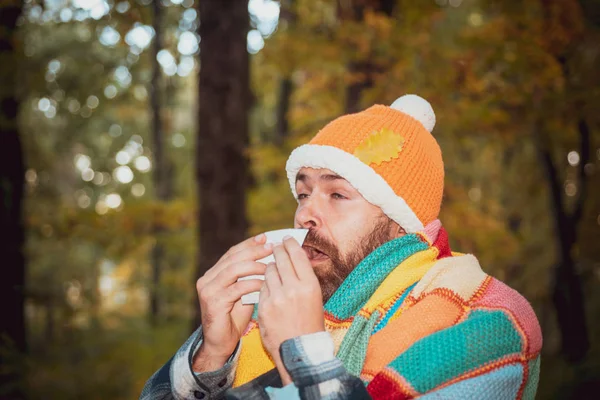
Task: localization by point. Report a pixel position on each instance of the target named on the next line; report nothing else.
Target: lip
(314, 255)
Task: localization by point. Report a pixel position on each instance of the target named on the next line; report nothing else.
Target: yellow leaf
(380, 146)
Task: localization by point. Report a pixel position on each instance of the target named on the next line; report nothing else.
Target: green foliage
(114, 362)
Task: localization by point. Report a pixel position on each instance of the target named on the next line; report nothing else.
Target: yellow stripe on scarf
(407, 273)
(254, 359)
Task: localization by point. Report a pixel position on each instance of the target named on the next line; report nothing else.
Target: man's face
(344, 227)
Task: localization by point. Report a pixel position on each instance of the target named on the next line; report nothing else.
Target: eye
(337, 196)
(302, 196)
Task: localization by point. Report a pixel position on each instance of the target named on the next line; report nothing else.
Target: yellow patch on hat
(379, 146)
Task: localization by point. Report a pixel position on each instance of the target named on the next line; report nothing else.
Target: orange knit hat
(388, 154)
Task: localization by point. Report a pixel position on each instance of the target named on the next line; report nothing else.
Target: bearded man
(374, 304)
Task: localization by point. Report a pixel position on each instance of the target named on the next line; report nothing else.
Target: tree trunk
(361, 71)
(567, 291)
(12, 172)
(222, 169)
(286, 86)
(362, 79)
(162, 166)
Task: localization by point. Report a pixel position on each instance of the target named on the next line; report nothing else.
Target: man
(403, 316)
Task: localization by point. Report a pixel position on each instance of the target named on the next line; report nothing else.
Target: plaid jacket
(309, 359)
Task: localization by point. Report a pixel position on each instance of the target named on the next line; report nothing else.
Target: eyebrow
(324, 177)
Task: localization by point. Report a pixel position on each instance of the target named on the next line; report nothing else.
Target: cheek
(347, 231)
(352, 228)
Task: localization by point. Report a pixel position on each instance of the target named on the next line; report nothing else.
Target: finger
(272, 279)
(284, 265)
(264, 291)
(252, 253)
(300, 261)
(233, 272)
(235, 292)
(256, 241)
(252, 241)
(262, 299)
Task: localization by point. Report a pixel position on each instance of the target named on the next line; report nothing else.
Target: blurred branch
(584, 152)
(584, 147)
(552, 176)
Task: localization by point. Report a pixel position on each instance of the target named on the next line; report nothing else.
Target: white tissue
(273, 237)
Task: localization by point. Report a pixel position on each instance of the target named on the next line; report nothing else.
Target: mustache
(313, 239)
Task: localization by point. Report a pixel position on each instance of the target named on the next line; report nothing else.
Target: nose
(308, 215)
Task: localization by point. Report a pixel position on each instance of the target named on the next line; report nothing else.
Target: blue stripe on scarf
(394, 308)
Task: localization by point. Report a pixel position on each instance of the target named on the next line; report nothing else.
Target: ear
(397, 230)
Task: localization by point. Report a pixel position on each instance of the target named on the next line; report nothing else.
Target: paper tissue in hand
(273, 237)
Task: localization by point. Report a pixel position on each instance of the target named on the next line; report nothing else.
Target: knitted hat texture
(386, 153)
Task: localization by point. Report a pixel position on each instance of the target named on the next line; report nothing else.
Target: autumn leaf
(380, 146)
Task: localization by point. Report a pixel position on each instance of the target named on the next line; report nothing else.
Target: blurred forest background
(142, 138)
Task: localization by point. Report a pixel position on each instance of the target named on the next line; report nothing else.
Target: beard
(334, 271)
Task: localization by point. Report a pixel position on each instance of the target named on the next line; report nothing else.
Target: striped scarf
(413, 318)
(361, 306)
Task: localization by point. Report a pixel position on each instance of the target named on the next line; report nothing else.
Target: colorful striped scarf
(414, 318)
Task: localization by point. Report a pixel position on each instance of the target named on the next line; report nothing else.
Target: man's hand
(291, 303)
(224, 317)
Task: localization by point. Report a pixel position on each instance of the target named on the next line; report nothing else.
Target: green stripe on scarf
(484, 336)
(353, 349)
(362, 282)
(534, 379)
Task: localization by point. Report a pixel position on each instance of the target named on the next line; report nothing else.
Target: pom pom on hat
(418, 108)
